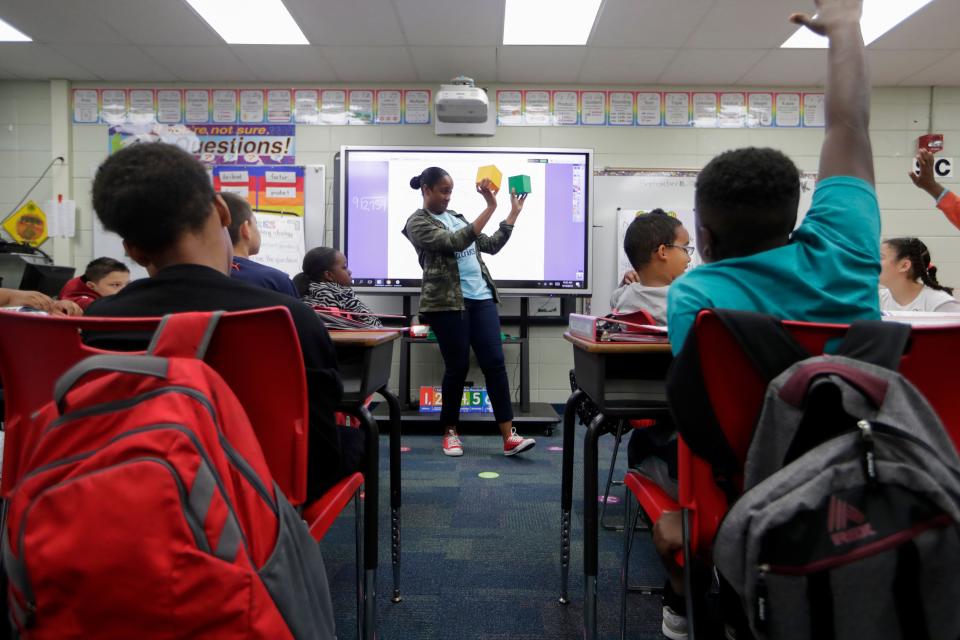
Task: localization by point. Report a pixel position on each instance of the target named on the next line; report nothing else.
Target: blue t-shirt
(260, 275)
(828, 272)
(472, 284)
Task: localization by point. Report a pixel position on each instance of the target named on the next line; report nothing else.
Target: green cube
(520, 184)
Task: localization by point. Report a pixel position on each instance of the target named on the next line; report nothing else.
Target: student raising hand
(925, 179)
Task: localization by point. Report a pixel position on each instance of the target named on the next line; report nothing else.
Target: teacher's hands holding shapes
(485, 188)
(516, 205)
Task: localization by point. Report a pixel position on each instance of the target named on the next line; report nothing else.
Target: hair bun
(415, 182)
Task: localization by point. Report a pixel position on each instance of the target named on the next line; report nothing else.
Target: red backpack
(146, 508)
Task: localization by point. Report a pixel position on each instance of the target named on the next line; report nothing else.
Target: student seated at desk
(909, 282)
(103, 277)
(325, 282)
(746, 207)
(159, 199)
(658, 247)
(245, 237)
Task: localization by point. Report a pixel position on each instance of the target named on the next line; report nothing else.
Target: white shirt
(927, 300)
(637, 296)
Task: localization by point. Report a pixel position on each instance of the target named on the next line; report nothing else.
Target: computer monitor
(45, 278)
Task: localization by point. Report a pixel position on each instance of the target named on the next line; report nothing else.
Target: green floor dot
(488, 475)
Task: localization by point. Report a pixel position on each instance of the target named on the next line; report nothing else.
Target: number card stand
(526, 414)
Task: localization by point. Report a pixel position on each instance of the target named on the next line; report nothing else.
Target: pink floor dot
(554, 448)
(610, 499)
(405, 449)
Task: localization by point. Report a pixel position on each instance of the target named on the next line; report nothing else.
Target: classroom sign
(268, 189)
(222, 144)
(474, 400)
(27, 225)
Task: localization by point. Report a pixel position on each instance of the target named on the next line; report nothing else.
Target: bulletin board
(289, 203)
(620, 194)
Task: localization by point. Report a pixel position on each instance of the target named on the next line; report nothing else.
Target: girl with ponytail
(458, 298)
(909, 281)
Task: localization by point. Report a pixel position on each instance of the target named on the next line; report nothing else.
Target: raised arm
(846, 147)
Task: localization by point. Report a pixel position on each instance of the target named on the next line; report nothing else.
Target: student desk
(624, 380)
(364, 359)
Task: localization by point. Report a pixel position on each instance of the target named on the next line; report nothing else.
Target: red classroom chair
(266, 374)
(736, 390)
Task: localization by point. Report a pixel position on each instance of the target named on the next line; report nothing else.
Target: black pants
(478, 325)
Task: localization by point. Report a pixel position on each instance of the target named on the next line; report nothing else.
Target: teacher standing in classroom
(458, 298)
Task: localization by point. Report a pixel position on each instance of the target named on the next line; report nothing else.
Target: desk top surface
(658, 345)
(363, 338)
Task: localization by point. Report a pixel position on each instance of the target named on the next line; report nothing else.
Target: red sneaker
(517, 444)
(452, 445)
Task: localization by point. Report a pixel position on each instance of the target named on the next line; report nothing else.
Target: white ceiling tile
(169, 22)
(116, 62)
(279, 63)
(371, 64)
(946, 72)
(624, 66)
(710, 66)
(201, 64)
(788, 67)
(56, 21)
(439, 64)
(890, 68)
(463, 23)
(335, 22)
(733, 24)
(932, 27)
(7, 75)
(540, 64)
(651, 23)
(40, 62)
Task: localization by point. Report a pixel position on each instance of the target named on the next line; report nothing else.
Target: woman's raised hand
(485, 188)
(516, 202)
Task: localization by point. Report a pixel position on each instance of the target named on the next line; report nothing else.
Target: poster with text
(265, 144)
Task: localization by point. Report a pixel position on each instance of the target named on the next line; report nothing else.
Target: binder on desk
(615, 329)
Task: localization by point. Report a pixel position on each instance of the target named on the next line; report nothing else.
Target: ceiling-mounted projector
(464, 109)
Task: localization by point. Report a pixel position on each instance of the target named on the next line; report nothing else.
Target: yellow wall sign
(28, 224)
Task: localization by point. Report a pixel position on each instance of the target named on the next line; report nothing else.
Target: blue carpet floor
(480, 557)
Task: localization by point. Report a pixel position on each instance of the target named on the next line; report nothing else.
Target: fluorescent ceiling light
(250, 21)
(879, 16)
(546, 22)
(9, 34)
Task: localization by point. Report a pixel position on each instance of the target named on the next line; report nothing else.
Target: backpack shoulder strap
(877, 342)
(184, 334)
(763, 339)
(770, 348)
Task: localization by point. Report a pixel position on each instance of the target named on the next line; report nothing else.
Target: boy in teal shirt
(746, 206)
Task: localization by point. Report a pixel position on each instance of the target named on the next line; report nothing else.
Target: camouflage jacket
(436, 246)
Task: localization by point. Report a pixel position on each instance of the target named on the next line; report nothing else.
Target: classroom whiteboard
(284, 238)
(620, 194)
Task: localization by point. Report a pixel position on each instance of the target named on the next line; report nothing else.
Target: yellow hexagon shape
(28, 224)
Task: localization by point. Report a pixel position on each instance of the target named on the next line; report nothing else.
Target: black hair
(429, 177)
(100, 268)
(151, 193)
(315, 262)
(645, 235)
(747, 199)
(240, 212)
(917, 253)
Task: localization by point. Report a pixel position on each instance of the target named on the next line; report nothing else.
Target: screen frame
(340, 200)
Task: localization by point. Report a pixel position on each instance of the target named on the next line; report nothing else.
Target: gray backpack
(849, 523)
